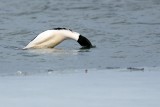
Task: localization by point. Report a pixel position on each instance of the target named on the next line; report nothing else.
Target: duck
(51, 38)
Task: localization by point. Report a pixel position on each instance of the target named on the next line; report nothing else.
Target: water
(126, 34)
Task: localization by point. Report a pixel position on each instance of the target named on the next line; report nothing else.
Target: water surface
(126, 34)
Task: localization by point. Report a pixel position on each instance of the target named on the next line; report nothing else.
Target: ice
(96, 88)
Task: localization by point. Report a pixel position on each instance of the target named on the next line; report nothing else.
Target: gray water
(126, 34)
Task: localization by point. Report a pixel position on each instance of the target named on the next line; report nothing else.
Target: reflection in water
(54, 51)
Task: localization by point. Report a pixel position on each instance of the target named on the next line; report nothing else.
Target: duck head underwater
(51, 38)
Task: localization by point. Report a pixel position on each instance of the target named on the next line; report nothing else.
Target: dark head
(84, 42)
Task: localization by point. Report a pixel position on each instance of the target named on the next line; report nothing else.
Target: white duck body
(51, 38)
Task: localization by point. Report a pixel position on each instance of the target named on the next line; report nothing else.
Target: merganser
(51, 38)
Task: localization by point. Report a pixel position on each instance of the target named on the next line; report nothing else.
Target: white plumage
(51, 38)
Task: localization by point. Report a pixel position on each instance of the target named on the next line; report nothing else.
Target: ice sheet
(105, 88)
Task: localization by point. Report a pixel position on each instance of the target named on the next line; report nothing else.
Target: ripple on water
(122, 31)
